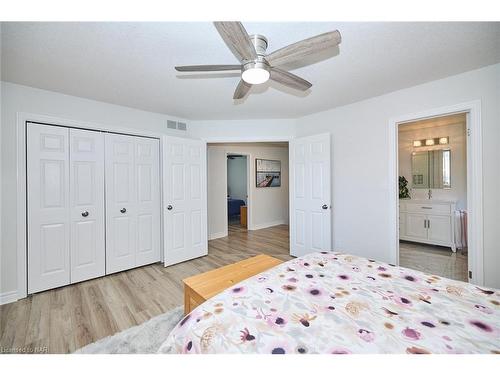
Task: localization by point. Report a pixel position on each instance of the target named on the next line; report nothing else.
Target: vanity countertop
(429, 201)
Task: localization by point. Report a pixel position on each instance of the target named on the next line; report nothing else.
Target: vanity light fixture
(431, 142)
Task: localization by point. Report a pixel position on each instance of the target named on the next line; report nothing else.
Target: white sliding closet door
(310, 195)
(132, 202)
(87, 204)
(48, 207)
(185, 199)
(147, 176)
(121, 202)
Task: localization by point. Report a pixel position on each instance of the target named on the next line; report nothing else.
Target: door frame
(249, 191)
(22, 118)
(474, 180)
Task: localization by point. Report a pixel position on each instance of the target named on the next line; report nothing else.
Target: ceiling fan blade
(241, 90)
(206, 68)
(304, 48)
(289, 79)
(237, 39)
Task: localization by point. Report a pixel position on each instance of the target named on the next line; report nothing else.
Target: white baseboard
(267, 225)
(8, 297)
(213, 236)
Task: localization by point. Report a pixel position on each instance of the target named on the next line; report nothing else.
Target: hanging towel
(461, 229)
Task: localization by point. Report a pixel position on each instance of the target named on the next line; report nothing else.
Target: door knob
(85, 213)
(324, 207)
(169, 207)
(123, 210)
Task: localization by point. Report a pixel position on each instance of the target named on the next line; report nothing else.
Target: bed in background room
(233, 206)
(338, 303)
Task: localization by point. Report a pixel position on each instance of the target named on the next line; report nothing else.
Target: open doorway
(433, 211)
(237, 191)
(248, 192)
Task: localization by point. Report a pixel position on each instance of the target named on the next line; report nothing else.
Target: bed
(339, 303)
(233, 206)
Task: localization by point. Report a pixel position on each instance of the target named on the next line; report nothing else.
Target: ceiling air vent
(171, 124)
(181, 125)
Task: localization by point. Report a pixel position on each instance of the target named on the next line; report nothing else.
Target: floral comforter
(339, 303)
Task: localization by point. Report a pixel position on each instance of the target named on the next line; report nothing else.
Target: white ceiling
(132, 64)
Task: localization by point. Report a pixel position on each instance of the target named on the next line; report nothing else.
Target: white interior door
(310, 195)
(121, 203)
(48, 207)
(87, 204)
(185, 199)
(147, 180)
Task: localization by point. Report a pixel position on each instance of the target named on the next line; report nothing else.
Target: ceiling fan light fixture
(255, 76)
(255, 73)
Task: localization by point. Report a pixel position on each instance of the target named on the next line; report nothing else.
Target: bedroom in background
(238, 201)
(237, 191)
(432, 169)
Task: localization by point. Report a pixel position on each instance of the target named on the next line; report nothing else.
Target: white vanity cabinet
(427, 221)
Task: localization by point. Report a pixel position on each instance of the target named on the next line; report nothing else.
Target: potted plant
(404, 193)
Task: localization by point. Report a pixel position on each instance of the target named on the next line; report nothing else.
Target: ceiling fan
(256, 67)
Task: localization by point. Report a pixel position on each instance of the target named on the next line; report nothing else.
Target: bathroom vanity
(427, 221)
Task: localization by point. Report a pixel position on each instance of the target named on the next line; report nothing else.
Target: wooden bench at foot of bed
(199, 288)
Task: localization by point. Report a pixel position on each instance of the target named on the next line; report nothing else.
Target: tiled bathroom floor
(436, 260)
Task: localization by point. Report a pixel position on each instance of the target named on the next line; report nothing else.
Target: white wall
(16, 98)
(237, 178)
(361, 170)
(267, 206)
(457, 145)
(236, 130)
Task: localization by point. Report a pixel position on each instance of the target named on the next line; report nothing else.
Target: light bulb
(443, 140)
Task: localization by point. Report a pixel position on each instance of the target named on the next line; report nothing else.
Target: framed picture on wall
(268, 173)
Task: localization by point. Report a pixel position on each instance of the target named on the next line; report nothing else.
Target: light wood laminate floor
(67, 318)
(436, 260)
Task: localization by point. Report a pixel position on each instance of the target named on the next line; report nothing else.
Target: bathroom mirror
(431, 169)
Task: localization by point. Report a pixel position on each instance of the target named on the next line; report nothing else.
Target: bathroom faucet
(429, 194)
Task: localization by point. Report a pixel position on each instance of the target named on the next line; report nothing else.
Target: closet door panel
(147, 154)
(121, 201)
(87, 204)
(48, 207)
